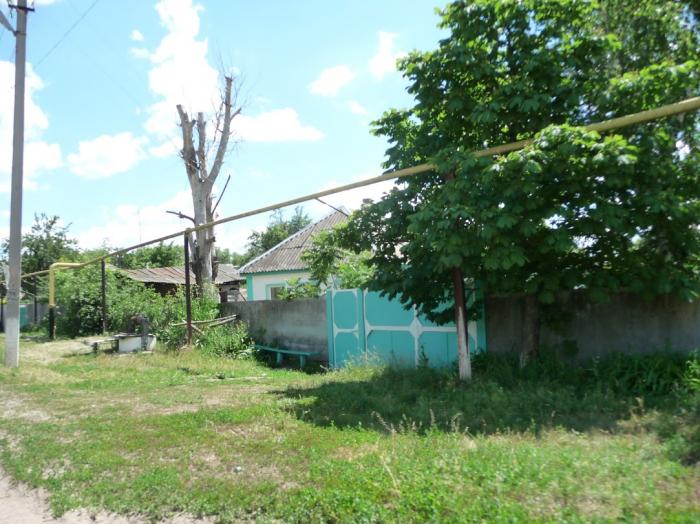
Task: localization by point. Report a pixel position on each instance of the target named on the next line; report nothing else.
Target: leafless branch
(187, 153)
(221, 195)
(201, 152)
(182, 215)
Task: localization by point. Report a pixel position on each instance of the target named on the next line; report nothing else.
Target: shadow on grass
(501, 397)
(290, 362)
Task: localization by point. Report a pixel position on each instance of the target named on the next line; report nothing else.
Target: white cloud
(127, 224)
(107, 155)
(384, 62)
(140, 52)
(136, 36)
(332, 80)
(279, 125)
(167, 148)
(39, 155)
(181, 73)
(356, 107)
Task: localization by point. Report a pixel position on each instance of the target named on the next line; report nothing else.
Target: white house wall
(262, 283)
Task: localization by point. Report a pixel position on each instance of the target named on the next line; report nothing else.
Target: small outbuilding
(166, 280)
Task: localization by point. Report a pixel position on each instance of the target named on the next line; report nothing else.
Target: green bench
(281, 352)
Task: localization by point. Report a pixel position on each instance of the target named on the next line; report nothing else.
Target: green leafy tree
(573, 211)
(226, 256)
(278, 228)
(160, 255)
(333, 265)
(295, 289)
(46, 242)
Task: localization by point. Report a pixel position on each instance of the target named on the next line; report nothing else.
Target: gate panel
(346, 326)
(363, 325)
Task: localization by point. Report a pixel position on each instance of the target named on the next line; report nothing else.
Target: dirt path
(21, 505)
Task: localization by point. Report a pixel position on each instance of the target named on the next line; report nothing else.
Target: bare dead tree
(195, 154)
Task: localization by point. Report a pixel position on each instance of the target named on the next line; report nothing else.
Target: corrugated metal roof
(176, 275)
(286, 256)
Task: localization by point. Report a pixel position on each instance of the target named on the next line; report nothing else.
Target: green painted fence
(363, 325)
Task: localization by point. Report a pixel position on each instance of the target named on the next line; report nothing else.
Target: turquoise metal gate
(363, 325)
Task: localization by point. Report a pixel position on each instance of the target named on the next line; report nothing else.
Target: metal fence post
(188, 288)
(104, 295)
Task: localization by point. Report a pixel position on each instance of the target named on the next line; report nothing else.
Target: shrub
(226, 341)
(654, 374)
(78, 296)
(682, 430)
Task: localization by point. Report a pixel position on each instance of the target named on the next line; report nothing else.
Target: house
(267, 274)
(166, 279)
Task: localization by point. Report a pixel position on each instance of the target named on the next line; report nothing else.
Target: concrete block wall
(295, 324)
(625, 323)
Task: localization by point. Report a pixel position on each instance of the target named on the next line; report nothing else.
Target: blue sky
(101, 133)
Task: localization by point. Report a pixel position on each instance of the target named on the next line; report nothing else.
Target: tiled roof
(176, 275)
(286, 256)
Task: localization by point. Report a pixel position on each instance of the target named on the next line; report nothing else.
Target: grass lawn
(158, 434)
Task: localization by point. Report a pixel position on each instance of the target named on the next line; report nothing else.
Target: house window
(275, 292)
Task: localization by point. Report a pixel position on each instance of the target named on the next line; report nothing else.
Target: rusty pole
(104, 295)
(188, 288)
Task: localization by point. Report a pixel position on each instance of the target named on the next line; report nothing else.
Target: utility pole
(15, 245)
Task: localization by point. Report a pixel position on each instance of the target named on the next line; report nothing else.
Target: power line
(65, 35)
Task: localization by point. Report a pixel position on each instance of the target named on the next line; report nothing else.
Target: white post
(15, 246)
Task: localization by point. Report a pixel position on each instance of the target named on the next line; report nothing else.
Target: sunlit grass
(164, 433)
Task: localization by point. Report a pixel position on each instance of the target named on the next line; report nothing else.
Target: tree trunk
(464, 360)
(531, 330)
(202, 181)
(204, 239)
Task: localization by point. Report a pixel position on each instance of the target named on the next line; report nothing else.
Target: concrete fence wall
(626, 323)
(296, 324)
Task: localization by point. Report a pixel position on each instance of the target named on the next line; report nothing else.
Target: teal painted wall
(249, 287)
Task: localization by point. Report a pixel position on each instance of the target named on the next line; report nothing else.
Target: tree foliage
(573, 211)
(333, 265)
(226, 256)
(160, 255)
(46, 242)
(278, 228)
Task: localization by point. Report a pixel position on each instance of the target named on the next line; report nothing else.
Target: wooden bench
(281, 352)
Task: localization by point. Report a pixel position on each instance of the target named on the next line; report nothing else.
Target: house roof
(286, 256)
(176, 275)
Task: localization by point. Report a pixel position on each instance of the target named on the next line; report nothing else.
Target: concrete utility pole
(15, 246)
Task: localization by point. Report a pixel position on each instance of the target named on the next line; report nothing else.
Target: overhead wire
(65, 35)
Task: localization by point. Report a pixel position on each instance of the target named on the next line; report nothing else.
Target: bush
(227, 341)
(78, 296)
(651, 375)
(682, 429)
